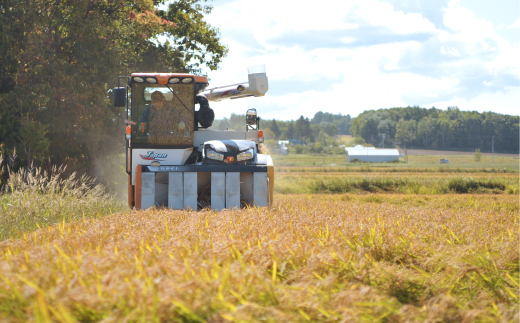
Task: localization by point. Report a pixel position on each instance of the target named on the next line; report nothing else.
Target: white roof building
(371, 154)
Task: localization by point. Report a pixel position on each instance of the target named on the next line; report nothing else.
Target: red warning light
(128, 134)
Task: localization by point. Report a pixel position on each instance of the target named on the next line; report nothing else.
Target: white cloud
(349, 56)
(467, 50)
(378, 13)
(515, 24)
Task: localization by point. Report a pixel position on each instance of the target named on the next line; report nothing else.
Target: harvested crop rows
(407, 183)
(309, 258)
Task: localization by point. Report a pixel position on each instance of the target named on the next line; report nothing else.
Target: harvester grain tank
(173, 160)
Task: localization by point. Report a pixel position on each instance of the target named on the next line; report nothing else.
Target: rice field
(310, 258)
(461, 163)
(363, 246)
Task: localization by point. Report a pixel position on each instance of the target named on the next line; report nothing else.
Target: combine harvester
(172, 160)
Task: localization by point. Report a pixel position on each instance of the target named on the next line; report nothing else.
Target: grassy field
(458, 163)
(407, 183)
(39, 200)
(410, 244)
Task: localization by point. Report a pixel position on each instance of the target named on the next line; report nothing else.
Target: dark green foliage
(344, 185)
(420, 128)
(302, 129)
(273, 125)
(59, 60)
(342, 123)
(404, 184)
(289, 133)
(469, 185)
(193, 36)
(449, 129)
(478, 155)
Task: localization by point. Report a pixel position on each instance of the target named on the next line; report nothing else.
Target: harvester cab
(173, 160)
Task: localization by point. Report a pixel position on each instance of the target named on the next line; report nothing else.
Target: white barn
(371, 154)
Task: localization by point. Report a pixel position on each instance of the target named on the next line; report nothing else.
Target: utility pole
(443, 140)
(493, 147)
(383, 135)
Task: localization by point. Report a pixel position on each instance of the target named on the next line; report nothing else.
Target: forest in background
(415, 127)
(450, 129)
(303, 129)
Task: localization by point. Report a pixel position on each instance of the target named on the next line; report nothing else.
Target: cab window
(162, 118)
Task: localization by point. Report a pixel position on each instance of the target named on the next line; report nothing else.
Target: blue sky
(348, 56)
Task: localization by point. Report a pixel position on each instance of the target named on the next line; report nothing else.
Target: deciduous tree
(59, 58)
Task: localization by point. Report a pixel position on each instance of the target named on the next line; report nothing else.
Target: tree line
(302, 129)
(450, 129)
(413, 127)
(60, 58)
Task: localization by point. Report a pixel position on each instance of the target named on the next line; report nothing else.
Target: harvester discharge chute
(173, 160)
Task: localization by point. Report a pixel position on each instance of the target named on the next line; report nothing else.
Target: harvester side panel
(161, 189)
(175, 190)
(260, 189)
(246, 187)
(232, 190)
(177, 187)
(148, 190)
(218, 189)
(190, 190)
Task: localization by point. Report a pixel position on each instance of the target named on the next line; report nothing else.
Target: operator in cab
(164, 124)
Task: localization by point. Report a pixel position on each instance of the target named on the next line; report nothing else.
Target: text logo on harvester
(152, 156)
